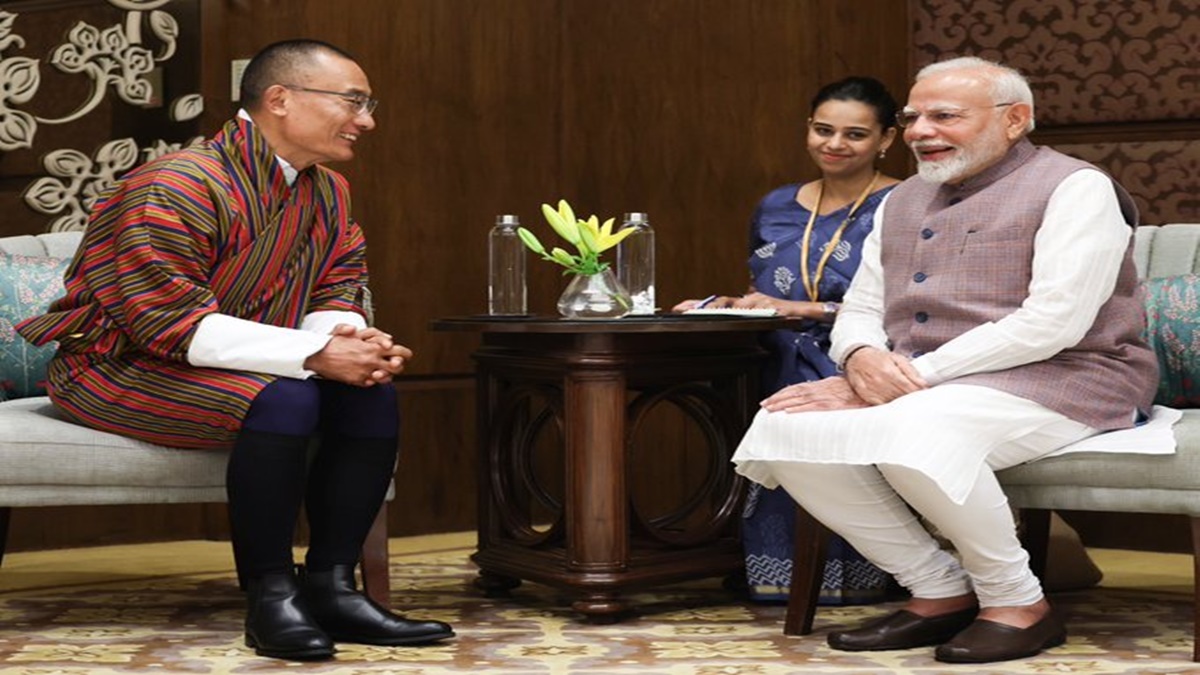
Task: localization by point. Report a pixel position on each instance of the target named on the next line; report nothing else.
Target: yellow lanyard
(812, 286)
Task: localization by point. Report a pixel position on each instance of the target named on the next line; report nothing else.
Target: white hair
(1008, 85)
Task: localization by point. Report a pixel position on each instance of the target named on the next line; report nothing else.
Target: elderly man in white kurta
(995, 319)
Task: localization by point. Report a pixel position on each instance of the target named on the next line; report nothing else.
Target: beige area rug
(174, 608)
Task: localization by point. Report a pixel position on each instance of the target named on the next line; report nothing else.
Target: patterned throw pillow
(27, 285)
(1173, 331)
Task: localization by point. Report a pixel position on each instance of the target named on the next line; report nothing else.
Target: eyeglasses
(942, 117)
(363, 104)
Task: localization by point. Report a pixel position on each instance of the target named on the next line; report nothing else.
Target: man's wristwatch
(830, 310)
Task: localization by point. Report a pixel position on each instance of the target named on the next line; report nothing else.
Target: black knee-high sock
(265, 483)
(347, 484)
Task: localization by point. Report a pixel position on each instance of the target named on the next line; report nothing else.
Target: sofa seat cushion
(1100, 481)
(79, 465)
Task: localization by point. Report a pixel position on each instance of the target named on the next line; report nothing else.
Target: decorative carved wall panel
(1089, 62)
(89, 89)
(1162, 176)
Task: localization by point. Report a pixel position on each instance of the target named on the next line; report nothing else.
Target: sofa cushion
(27, 286)
(38, 447)
(1173, 331)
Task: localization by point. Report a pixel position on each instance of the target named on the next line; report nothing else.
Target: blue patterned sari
(802, 355)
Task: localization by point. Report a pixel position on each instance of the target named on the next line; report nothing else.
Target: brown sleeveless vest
(956, 256)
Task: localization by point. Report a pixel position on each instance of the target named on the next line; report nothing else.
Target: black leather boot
(349, 616)
(279, 625)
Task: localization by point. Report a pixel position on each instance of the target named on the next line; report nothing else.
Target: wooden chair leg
(5, 514)
(1196, 592)
(808, 570)
(376, 582)
(1035, 537)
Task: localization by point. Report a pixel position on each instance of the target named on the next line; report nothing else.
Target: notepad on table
(733, 311)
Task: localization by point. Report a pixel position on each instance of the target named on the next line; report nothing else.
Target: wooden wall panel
(689, 111)
(435, 480)
(692, 111)
(49, 527)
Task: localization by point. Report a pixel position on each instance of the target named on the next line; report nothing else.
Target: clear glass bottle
(506, 268)
(635, 263)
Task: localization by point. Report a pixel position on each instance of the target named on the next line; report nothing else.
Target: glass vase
(594, 296)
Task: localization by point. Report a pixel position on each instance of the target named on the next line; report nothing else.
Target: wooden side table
(588, 385)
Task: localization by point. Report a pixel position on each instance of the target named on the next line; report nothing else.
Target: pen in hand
(704, 302)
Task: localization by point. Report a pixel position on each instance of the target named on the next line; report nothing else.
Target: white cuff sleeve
(323, 322)
(223, 341)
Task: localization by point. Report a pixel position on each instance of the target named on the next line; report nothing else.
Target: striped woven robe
(213, 228)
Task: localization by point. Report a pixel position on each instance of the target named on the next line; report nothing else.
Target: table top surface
(657, 323)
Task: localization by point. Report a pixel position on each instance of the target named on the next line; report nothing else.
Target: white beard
(967, 161)
(945, 170)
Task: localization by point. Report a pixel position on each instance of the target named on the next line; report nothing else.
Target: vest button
(927, 233)
(919, 277)
(921, 317)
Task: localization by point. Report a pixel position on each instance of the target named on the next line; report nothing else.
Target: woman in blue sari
(805, 245)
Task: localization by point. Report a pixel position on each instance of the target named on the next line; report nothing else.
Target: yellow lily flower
(567, 229)
(608, 239)
(589, 237)
(567, 213)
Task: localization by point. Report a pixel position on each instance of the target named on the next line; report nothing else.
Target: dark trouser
(269, 474)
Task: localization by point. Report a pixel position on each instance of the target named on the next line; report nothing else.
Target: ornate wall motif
(118, 58)
(1088, 62)
(1162, 176)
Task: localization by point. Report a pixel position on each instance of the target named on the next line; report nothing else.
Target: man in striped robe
(217, 301)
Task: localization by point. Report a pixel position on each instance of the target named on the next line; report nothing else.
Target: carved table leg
(495, 585)
(597, 499)
(601, 607)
